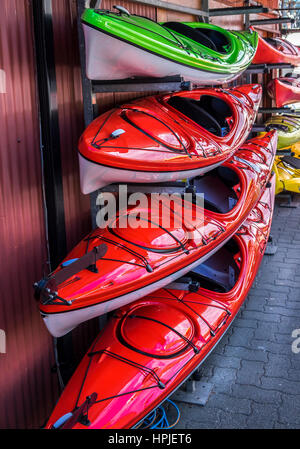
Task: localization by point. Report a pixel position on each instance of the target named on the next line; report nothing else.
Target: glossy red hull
(276, 51)
(284, 91)
(150, 347)
(141, 260)
(166, 137)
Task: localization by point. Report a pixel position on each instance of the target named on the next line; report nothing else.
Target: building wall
(28, 388)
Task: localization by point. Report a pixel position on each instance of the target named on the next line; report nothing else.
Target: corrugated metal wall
(70, 110)
(27, 387)
(69, 99)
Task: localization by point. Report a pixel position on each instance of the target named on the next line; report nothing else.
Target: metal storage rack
(266, 69)
(91, 88)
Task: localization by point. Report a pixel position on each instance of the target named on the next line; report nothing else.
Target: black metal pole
(278, 110)
(290, 30)
(204, 7)
(50, 139)
(237, 10)
(286, 9)
(51, 155)
(280, 20)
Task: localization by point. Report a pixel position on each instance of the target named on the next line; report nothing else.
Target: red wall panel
(28, 389)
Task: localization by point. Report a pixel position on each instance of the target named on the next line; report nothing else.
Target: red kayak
(149, 348)
(276, 50)
(284, 90)
(166, 137)
(122, 262)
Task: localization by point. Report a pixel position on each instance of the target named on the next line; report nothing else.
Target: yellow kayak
(294, 149)
(287, 170)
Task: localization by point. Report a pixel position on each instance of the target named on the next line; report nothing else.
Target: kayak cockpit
(211, 113)
(219, 188)
(289, 81)
(292, 161)
(221, 271)
(210, 38)
(282, 45)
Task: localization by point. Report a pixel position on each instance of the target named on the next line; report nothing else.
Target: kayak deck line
(185, 48)
(166, 137)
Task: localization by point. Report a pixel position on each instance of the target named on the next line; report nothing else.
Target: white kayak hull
(94, 176)
(109, 58)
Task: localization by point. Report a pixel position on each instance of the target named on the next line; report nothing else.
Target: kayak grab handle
(62, 420)
(118, 132)
(121, 9)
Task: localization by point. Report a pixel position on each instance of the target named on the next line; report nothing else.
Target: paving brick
(283, 338)
(286, 274)
(293, 374)
(256, 394)
(269, 346)
(275, 288)
(199, 417)
(250, 373)
(286, 239)
(246, 353)
(283, 311)
(271, 268)
(223, 378)
(206, 369)
(262, 279)
(277, 264)
(283, 282)
(281, 385)
(294, 255)
(256, 304)
(278, 295)
(263, 416)
(287, 282)
(295, 361)
(277, 300)
(242, 322)
(228, 403)
(290, 322)
(241, 336)
(289, 411)
(280, 425)
(294, 295)
(277, 365)
(223, 361)
(266, 331)
(229, 420)
(292, 260)
(262, 316)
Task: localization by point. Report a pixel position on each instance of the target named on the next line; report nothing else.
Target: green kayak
(288, 127)
(122, 45)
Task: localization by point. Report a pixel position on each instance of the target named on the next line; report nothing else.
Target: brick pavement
(254, 372)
